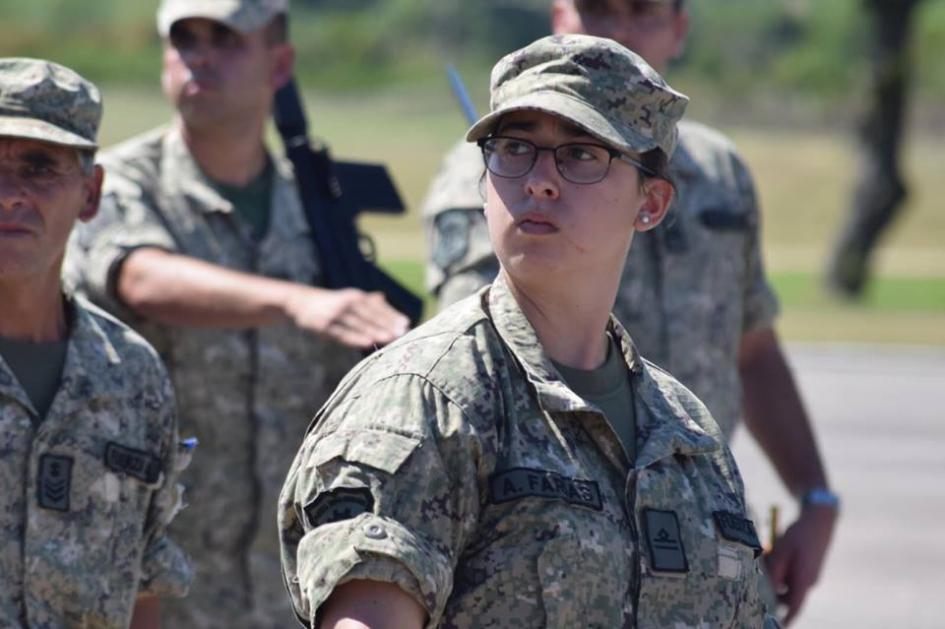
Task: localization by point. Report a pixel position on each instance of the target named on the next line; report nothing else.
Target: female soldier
(514, 461)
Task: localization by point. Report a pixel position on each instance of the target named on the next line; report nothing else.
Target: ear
(658, 195)
(283, 64)
(93, 194)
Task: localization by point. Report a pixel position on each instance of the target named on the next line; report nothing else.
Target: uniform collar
(180, 173)
(518, 334)
(10, 387)
(89, 356)
(665, 425)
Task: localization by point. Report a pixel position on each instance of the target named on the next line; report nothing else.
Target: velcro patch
(341, 503)
(735, 528)
(522, 482)
(53, 482)
(138, 463)
(664, 541)
(723, 219)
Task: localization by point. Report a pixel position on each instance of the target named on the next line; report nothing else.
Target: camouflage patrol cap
(244, 16)
(42, 100)
(595, 83)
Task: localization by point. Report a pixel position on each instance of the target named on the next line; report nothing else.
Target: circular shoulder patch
(341, 503)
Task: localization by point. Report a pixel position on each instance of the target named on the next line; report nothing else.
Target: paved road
(880, 419)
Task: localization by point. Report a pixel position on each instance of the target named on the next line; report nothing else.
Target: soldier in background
(88, 435)
(203, 245)
(693, 295)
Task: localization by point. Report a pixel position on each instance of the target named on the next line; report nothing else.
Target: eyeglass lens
(576, 162)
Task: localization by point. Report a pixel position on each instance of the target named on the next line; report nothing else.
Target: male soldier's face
(217, 77)
(42, 191)
(652, 29)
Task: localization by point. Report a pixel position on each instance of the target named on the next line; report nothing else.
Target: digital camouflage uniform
(247, 395)
(691, 287)
(90, 488)
(457, 464)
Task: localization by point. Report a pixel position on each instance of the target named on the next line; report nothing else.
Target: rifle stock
(333, 194)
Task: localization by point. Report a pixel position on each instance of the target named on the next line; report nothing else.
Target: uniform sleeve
(385, 488)
(760, 302)
(127, 219)
(165, 568)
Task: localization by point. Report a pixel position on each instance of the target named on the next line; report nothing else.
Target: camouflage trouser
(221, 596)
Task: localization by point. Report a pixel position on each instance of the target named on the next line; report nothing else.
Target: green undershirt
(37, 367)
(608, 388)
(251, 201)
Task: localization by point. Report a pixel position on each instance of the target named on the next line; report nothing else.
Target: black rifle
(333, 194)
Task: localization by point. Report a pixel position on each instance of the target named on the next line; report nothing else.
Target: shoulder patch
(142, 465)
(735, 528)
(341, 503)
(53, 482)
(723, 219)
(664, 541)
(523, 482)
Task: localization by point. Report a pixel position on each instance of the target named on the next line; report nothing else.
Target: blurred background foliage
(786, 79)
(797, 54)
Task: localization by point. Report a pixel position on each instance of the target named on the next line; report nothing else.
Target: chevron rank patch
(341, 503)
(53, 482)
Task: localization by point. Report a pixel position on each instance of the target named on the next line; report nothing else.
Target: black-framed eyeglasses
(577, 162)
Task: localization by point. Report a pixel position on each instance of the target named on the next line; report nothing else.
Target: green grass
(803, 179)
(887, 294)
(896, 310)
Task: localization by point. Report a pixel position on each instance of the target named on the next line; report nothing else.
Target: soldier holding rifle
(204, 246)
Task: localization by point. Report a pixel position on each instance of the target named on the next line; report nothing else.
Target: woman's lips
(535, 224)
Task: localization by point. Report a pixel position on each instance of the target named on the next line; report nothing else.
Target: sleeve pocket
(382, 450)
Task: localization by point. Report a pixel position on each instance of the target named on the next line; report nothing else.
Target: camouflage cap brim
(576, 111)
(241, 16)
(33, 129)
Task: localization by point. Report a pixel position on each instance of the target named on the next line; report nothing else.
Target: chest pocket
(577, 574)
(698, 553)
(100, 532)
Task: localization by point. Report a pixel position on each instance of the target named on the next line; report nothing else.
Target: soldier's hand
(348, 316)
(797, 557)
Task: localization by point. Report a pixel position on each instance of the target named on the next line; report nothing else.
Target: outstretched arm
(175, 289)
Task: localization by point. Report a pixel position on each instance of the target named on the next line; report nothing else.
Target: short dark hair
(657, 163)
(277, 30)
(603, 6)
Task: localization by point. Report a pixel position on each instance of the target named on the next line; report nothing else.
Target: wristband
(821, 496)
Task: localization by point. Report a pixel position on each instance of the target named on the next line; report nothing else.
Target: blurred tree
(879, 190)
